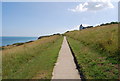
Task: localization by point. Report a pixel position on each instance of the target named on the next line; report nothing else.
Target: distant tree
(57, 34)
(102, 24)
(114, 23)
(67, 31)
(109, 23)
(89, 26)
(43, 37)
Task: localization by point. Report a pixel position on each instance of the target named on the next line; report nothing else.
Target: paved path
(65, 67)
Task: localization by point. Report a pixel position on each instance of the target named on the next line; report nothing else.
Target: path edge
(76, 63)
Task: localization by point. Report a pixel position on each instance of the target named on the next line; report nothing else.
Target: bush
(109, 23)
(18, 44)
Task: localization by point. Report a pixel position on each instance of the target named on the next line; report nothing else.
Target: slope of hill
(31, 60)
(96, 50)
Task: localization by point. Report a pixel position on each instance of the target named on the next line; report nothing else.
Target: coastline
(12, 40)
(14, 45)
(22, 43)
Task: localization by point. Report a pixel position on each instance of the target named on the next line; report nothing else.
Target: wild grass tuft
(33, 60)
(96, 50)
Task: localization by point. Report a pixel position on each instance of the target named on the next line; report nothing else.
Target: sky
(45, 18)
(0, 19)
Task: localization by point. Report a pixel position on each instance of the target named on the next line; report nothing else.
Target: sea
(4, 41)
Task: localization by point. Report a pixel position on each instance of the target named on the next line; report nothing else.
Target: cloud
(93, 5)
(77, 27)
(73, 28)
(85, 25)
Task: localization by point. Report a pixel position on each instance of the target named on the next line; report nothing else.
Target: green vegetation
(18, 44)
(110, 23)
(33, 60)
(96, 50)
(48, 35)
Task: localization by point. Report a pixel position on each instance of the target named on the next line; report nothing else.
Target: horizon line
(51, 0)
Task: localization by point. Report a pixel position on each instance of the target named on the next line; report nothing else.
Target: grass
(33, 60)
(96, 50)
(0, 65)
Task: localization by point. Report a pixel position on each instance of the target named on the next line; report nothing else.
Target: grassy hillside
(96, 50)
(33, 60)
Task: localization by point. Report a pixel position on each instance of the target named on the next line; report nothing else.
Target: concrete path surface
(65, 67)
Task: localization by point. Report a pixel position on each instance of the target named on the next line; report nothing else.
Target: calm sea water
(11, 40)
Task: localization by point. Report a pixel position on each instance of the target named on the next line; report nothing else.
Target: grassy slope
(32, 60)
(96, 51)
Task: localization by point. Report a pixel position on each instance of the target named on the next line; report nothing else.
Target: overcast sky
(43, 18)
